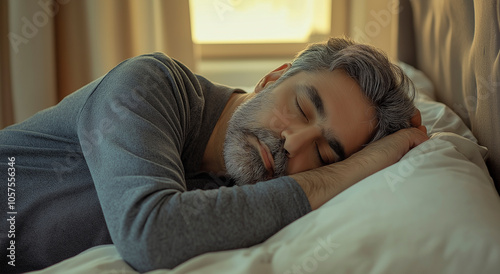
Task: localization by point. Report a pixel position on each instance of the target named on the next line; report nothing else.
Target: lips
(267, 158)
(264, 153)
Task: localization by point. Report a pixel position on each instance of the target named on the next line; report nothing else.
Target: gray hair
(386, 86)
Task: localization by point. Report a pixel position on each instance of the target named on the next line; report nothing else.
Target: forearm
(324, 183)
(163, 231)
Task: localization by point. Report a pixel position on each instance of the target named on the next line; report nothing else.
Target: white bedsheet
(435, 211)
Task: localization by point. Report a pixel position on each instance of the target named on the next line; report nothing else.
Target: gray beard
(242, 159)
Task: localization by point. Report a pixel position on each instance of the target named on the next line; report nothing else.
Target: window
(228, 28)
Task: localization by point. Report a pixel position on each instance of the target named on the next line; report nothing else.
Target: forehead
(349, 115)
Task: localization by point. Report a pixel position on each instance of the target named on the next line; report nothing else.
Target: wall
(375, 22)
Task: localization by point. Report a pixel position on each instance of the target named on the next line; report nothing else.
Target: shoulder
(151, 87)
(149, 77)
(154, 64)
(156, 59)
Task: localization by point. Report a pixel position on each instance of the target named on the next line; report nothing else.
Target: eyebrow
(312, 94)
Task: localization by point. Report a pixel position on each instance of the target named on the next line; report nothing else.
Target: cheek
(301, 163)
(275, 111)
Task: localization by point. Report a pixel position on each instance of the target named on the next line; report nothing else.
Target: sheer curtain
(55, 47)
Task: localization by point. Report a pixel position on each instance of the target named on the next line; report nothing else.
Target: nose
(297, 139)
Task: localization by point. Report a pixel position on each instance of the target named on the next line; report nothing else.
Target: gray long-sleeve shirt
(118, 162)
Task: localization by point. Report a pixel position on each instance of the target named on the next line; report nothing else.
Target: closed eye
(319, 156)
(300, 109)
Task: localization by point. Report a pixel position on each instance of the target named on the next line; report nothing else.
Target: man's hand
(324, 183)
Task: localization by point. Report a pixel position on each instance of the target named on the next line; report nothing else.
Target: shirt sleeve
(132, 131)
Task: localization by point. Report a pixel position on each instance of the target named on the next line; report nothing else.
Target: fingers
(416, 120)
(423, 129)
(416, 136)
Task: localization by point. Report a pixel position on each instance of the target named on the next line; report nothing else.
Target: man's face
(307, 121)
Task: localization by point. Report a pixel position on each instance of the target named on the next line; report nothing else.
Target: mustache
(276, 146)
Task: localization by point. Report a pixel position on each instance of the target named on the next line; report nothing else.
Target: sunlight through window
(259, 21)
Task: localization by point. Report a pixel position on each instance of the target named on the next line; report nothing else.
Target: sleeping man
(167, 165)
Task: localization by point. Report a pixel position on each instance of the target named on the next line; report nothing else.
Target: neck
(213, 159)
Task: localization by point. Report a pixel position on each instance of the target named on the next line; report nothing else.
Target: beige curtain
(55, 47)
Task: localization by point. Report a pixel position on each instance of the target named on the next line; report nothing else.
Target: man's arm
(324, 183)
(133, 131)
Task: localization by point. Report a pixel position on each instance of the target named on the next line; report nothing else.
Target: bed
(435, 211)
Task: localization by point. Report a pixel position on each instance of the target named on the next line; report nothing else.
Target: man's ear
(271, 77)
